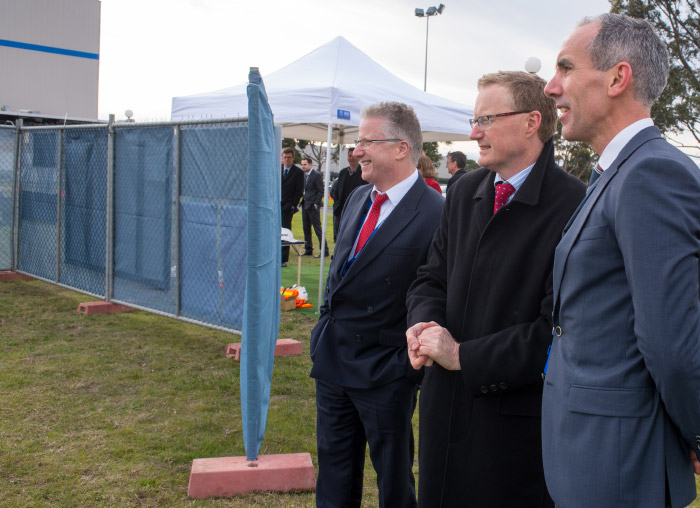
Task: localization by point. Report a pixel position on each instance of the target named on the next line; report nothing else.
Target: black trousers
(286, 223)
(312, 218)
(350, 418)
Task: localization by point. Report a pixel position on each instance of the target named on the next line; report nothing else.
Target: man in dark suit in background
(365, 387)
(621, 410)
(456, 162)
(311, 205)
(348, 180)
(481, 308)
(292, 191)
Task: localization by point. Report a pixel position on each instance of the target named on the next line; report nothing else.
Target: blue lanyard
(350, 261)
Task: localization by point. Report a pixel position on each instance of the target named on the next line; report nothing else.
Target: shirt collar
(398, 191)
(620, 140)
(517, 179)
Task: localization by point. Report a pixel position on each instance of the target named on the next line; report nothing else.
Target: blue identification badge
(549, 350)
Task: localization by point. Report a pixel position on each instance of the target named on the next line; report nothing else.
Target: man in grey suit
(621, 403)
(311, 204)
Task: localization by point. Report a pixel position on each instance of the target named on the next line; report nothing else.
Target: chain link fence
(152, 216)
(8, 146)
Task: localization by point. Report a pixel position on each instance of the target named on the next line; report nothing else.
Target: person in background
(480, 310)
(621, 404)
(348, 180)
(427, 171)
(456, 162)
(365, 387)
(311, 204)
(292, 190)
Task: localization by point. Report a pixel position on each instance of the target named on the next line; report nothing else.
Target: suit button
(358, 338)
(503, 385)
(370, 309)
(484, 389)
(388, 281)
(493, 388)
(557, 331)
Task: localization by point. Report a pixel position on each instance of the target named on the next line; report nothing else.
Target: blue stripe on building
(49, 49)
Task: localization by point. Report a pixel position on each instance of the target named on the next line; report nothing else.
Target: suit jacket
(621, 407)
(489, 283)
(360, 338)
(313, 191)
(292, 189)
(343, 187)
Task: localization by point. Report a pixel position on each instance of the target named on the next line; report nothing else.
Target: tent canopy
(330, 86)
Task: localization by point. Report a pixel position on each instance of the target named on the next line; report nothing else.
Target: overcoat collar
(528, 194)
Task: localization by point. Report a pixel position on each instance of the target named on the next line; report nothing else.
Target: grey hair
(401, 123)
(632, 40)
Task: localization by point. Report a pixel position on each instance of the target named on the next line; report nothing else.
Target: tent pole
(326, 179)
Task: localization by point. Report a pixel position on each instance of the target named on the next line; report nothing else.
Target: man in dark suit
(456, 162)
(621, 410)
(348, 180)
(311, 204)
(365, 387)
(480, 309)
(292, 191)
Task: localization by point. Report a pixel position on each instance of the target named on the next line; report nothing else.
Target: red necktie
(371, 222)
(504, 190)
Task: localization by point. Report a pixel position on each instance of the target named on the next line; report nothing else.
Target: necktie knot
(504, 191)
(371, 222)
(595, 174)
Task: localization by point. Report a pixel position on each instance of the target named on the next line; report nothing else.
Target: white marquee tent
(329, 87)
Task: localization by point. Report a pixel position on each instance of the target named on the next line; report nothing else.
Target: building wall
(49, 51)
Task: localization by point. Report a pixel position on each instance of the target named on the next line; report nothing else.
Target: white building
(49, 55)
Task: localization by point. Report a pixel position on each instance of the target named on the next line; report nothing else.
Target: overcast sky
(153, 50)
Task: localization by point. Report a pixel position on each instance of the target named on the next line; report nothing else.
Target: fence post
(15, 193)
(109, 226)
(59, 177)
(176, 217)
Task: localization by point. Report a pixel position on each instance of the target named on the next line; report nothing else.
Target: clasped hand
(430, 343)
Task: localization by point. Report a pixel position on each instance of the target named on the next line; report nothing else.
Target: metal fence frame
(111, 127)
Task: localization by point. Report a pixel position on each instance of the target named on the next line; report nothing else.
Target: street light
(420, 13)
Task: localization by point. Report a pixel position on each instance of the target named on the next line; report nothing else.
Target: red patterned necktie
(371, 222)
(504, 190)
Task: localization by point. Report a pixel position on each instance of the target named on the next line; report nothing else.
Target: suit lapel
(573, 228)
(399, 218)
(350, 229)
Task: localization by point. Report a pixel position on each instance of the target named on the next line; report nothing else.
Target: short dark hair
(287, 150)
(308, 159)
(527, 94)
(459, 158)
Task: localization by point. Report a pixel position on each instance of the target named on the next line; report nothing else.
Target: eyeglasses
(364, 143)
(486, 120)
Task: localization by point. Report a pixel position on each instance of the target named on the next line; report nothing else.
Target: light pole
(430, 11)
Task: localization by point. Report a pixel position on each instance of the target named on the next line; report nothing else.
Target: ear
(534, 120)
(402, 150)
(619, 79)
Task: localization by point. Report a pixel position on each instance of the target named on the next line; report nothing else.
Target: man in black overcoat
(480, 310)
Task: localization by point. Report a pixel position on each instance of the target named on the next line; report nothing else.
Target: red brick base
(229, 476)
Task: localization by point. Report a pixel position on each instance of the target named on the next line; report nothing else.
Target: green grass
(110, 410)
